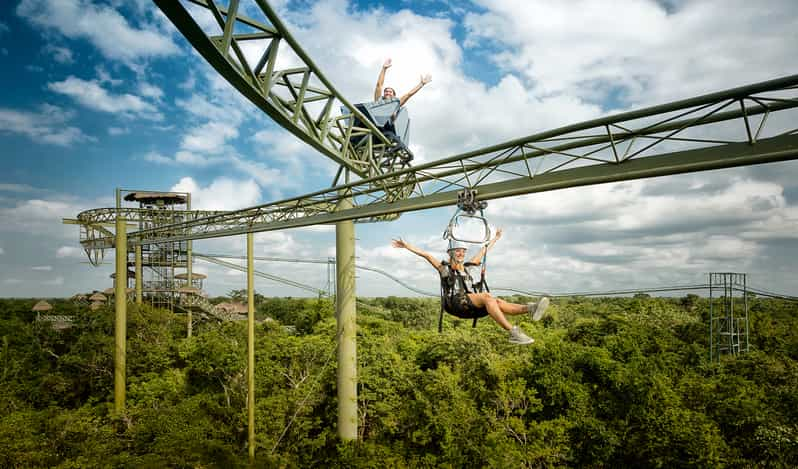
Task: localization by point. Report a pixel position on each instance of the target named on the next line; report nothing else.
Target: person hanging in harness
(461, 296)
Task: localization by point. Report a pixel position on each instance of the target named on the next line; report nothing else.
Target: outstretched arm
(478, 258)
(381, 79)
(400, 243)
(423, 81)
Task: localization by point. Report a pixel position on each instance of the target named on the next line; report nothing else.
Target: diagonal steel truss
(263, 61)
(747, 125)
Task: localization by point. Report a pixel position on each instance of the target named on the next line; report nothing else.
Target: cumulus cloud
(49, 125)
(222, 194)
(106, 28)
(4, 187)
(91, 94)
(651, 52)
(56, 282)
(210, 137)
(60, 54)
(41, 217)
(69, 252)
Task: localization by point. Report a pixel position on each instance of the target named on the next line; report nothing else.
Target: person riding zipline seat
(388, 114)
(463, 298)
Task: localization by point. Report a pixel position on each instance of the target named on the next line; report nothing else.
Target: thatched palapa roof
(42, 306)
(98, 297)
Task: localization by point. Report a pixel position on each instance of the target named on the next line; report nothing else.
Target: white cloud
(94, 96)
(18, 188)
(115, 131)
(104, 77)
(60, 54)
(213, 108)
(12, 281)
(155, 157)
(648, 54)
(192, 159)
(222, 194)
(150, 91)
(49, 125)
(41, 217)
(69, 252)
(4, 28)
(210, 137)
(58, 281)
(103, 26)
(266, 176)
(42, 268)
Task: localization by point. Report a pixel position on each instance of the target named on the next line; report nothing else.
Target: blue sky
(99, 95)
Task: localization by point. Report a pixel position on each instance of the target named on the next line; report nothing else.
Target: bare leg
(512, 308)
(492, 306)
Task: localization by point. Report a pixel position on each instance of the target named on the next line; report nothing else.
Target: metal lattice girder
(262, 60)
(95, 237)
(742, 126)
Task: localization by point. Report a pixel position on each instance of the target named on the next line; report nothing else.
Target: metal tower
(161, 284)
(728, 329)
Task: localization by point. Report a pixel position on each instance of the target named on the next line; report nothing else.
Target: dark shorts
(462, 307)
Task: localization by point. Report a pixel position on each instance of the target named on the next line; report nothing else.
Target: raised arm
(423, 81)
(478, 258)
(381, 79)
(400, 243)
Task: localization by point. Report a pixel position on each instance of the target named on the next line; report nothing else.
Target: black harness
(455, 290)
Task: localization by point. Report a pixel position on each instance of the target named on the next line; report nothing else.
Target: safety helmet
(454, 244)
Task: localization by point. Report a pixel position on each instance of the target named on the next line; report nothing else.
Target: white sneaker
(538, 309)
(517, 336)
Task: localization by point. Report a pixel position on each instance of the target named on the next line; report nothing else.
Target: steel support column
(250, 348)
(120, 323)
(189, 273)
(139, 279)
(346, 326)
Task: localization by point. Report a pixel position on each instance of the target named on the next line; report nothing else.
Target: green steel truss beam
(93, 222)
(743, 126)
(263, 61)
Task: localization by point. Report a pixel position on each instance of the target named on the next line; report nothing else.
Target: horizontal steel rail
(298, 97)
(594, 152)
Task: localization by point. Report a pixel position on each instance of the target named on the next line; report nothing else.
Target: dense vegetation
(622, 382)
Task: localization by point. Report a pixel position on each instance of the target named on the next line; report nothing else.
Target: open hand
(398, 243)
(387, 63)
(498, 234)
(426, 79)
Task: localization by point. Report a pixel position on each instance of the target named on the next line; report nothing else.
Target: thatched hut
(41, 306)
(98, 297)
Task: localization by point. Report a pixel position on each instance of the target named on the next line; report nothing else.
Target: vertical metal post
(189, 272)
(745, 302)
(139, 279)
(346, 326)
(711, 317)
(120, 323)
(250, 347)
